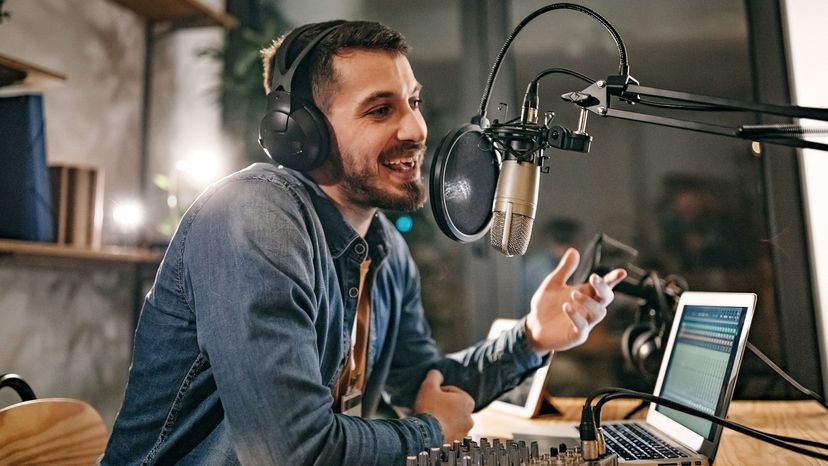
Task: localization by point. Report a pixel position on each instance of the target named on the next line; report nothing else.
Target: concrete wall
(66, 326)
(67, 330)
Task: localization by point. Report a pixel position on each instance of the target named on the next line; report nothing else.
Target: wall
(185, 140)
(66, 326)
(807, 36)
(67, 330)
(94, 117)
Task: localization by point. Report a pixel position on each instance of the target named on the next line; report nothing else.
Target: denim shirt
(243, 334)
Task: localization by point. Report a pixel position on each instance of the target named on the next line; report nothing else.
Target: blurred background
(161, 103)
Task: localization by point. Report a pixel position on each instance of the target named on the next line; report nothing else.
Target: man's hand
(450, 405)
(561, 316)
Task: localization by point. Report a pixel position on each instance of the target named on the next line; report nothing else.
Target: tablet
(528, 397)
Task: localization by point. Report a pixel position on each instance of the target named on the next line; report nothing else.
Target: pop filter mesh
(469, 182)
(464, 176)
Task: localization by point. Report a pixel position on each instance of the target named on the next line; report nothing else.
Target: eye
(380, 111)
(416, 103)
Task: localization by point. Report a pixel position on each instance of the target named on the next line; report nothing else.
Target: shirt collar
(338, 233)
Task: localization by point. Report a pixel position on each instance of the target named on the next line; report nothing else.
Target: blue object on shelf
(25, 200)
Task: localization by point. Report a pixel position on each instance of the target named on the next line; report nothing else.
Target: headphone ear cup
(628, 341)
(293, 133)
(646, 351)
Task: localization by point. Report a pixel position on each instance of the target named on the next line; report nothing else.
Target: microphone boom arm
(597, 99)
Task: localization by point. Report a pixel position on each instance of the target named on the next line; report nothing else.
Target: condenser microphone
(516, 194)
(515, 203)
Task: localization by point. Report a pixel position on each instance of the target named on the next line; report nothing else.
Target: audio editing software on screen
(701, 363)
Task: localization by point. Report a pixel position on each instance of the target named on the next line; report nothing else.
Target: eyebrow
(379, 95)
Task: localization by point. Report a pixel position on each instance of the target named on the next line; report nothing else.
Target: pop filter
(464, 176)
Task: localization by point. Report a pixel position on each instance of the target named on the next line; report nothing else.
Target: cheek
(363, 148)
(356, 155)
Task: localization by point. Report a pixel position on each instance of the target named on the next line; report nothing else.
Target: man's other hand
(562, 316)
(449, 404)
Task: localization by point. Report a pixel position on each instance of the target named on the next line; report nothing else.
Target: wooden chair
(51, 431)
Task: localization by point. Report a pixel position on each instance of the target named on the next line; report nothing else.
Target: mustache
(407, 147)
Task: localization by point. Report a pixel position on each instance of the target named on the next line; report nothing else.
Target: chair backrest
(51, 431)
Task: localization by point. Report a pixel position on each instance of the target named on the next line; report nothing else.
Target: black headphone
(294, 132)
(642, 343)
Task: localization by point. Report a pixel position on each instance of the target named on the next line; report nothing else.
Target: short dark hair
(318, 65)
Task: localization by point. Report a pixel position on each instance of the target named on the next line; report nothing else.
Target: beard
(360, 185)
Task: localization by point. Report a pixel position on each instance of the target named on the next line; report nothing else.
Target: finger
(615, 277)
(579, 323)
(589, 308)
(452, 389)
(462, 395)
(469, 402)
(603, 292)
(433, 379)
(566, 267)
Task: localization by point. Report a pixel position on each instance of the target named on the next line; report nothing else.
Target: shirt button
(353, 292)
(359, 248)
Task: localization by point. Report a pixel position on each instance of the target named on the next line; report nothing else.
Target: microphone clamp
(522, 141)
(518, 141)
(564, 138)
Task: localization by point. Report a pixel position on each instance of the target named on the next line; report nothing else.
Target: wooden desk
(803, 419)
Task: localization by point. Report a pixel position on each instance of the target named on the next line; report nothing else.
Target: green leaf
(162, 182)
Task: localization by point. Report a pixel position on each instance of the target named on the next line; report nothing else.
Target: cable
(784, 438)
(623, 67)
(785, 375)
(757, 434)
(567, 71)
(638, 408)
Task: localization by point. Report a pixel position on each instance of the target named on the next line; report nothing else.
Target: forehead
(361, 73)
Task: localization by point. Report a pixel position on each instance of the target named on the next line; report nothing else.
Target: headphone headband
(282, 76)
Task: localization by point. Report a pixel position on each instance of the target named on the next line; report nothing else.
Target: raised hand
(562, 316)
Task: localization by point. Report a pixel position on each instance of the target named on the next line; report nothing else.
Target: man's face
(378, 131)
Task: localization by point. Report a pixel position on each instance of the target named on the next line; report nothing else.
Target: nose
(412, 127)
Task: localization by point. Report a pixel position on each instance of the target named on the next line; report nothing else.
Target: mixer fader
(503, 453)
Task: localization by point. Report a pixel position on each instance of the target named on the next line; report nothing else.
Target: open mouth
(401, 165)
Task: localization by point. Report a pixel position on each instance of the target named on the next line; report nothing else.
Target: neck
(358, 217)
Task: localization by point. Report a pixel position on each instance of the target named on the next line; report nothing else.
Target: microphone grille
(518, 240)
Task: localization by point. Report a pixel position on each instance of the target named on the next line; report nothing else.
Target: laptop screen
(701, 363)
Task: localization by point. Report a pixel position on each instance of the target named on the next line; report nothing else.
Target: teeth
(407, 163)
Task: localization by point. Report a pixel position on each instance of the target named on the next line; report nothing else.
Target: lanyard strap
(352, 377)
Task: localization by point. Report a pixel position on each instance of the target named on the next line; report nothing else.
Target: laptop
(699, 369)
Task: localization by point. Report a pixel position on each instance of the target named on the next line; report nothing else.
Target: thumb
(566, 267)
(433, 379)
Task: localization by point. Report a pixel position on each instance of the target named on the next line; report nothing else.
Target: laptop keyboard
(633, 442)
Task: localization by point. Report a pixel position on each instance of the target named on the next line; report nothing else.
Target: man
(254, 338)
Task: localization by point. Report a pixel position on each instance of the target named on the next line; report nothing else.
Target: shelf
(13, 71)
(187, 13)
(10, 247)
